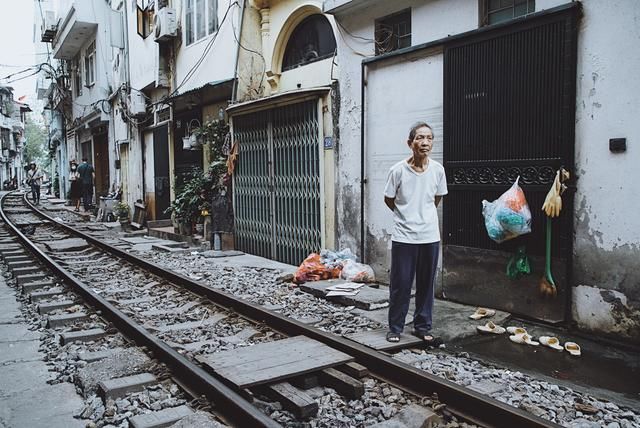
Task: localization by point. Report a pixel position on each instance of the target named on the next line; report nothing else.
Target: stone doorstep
(162, 418)
(45, 308)
(119, 387)
(82, 336)
(36, 296)
(25, 279)
(55, 321)
(167, 249)
(31, 286)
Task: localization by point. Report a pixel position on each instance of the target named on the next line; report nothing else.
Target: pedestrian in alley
(86, 175)
(34, 180)
(415, 186)
(76, 187)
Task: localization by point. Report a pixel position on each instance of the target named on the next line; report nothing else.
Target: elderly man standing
(34, 179)
(415, 186)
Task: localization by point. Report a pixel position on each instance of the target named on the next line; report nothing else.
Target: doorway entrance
(101, 164)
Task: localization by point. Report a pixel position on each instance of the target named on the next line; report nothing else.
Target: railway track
(184, 323)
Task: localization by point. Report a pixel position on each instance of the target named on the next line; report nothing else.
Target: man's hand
(391, 203)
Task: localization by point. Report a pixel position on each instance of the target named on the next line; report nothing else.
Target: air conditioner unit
(137, 103)
(165, 24)
(49, 26)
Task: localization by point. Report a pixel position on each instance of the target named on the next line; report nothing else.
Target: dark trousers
(409, 262)
(87, 196)
(35, 193)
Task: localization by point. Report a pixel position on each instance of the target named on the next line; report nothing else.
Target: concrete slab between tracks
(368, 298)
(71, 244)
(24, 375)
(270, 362)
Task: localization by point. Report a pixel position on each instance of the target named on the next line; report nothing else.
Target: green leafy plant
(213, 133)
(121, 210)
(191, 197)
(196, 191)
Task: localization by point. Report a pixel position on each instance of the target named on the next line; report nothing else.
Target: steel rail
(465, 403)
(229, 402)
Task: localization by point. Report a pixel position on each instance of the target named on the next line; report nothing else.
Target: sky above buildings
(17, 49)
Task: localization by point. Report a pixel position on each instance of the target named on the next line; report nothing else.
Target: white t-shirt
(416, 216)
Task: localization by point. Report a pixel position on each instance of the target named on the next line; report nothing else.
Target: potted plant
(191, 199)
(121, 211)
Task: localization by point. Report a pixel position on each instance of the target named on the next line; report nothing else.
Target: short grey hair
(414, 129)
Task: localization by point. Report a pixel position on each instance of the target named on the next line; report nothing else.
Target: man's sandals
(428, 338)
(393, 337)
(423, 335)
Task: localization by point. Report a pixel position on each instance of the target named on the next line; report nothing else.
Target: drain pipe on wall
(363, 180)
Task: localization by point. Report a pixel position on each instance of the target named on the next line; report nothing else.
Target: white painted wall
(219, 63)
(142, 52)
(391, 114)
(418, 96)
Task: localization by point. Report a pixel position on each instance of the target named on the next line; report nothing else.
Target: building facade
(517, 90)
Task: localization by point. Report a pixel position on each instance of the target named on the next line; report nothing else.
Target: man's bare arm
(437, 200)
(391, 203)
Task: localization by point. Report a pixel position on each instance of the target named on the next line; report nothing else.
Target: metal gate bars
(277, 187)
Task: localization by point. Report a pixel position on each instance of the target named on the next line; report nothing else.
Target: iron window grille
(496, 11)
(311, 41)
(393, 32)
(201, 19)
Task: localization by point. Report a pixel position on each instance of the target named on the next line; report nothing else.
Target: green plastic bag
(518, 264)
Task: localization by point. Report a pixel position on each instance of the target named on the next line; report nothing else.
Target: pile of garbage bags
(333, 264)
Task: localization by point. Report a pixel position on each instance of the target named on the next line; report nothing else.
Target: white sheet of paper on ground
(345, 286)
(342, 293)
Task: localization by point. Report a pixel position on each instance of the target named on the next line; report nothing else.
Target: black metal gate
(509, 111)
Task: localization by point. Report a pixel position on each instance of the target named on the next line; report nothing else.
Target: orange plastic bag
(515, 199)
(312, 269)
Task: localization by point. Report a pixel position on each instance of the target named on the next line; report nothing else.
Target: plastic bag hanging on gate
(508, 216)
(518, 264)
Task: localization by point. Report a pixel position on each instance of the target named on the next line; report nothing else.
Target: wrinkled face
(422, 142)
